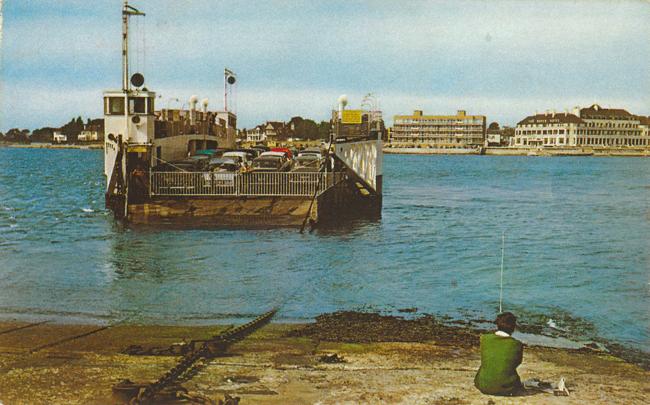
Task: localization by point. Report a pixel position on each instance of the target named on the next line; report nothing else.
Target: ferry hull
(342, 202)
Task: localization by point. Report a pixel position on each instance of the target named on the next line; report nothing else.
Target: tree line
(308, 129)
(71, 130)
(303, 128)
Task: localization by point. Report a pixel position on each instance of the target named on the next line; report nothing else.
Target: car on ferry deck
(254, 152)
(307, 163)
(311, 151)
(224, 164)
(197, 163)
(200, 158)
(287, 151)
(271, 162)
(243, 158)
(263, 147)
(258, 150)
(277, 153)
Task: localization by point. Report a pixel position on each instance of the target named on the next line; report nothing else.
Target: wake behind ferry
(183, 166)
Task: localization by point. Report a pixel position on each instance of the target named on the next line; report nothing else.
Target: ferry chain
(210, 348)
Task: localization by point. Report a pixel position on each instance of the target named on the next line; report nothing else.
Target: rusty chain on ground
(139, 394)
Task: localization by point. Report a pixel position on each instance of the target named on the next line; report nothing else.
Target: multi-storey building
(444, 131)
(609, 127)
(591, 126)
(644, 125)
(548, 129)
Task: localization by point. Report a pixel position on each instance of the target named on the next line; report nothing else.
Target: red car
(287, 151)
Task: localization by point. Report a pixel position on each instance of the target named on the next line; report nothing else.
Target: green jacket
(500, 357)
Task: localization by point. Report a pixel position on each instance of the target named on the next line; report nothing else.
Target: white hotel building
(547, 130)
(593, 126)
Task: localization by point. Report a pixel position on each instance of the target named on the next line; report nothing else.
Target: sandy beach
(376, 361)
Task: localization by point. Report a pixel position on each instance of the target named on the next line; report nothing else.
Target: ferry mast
(128, 127)
(127, 11)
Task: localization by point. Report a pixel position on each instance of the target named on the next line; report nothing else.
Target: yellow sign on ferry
(351, 116)
(138, 148)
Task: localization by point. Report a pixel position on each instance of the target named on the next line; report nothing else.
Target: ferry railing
(241, 184)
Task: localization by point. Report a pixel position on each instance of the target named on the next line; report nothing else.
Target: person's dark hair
(506, 322)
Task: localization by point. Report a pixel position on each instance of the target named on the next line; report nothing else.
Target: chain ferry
(182, 166)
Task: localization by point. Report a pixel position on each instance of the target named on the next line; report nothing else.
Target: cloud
(34, 107)
(292, 58)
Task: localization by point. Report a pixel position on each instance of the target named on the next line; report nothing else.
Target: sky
(502, 59)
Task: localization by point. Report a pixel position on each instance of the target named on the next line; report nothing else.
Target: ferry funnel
(343, 101)
(193, 100)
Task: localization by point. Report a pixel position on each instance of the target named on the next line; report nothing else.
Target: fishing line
(503, 246)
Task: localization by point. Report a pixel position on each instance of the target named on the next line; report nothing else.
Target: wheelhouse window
(114, 105)
(137, 105)
(150, 105)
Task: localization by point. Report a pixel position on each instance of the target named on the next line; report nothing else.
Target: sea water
(577, 249)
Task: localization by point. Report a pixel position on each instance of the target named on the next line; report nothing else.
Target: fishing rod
(503, 246)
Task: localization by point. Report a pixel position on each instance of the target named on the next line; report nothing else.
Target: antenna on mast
(229, 79)
(127, 11)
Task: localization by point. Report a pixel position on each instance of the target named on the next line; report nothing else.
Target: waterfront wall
(580, 151)
(631, 152)
(433, 151)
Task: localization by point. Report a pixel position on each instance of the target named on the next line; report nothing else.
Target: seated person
(500, 356)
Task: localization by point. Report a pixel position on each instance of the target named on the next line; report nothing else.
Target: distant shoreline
(604, 152)
(52, 146)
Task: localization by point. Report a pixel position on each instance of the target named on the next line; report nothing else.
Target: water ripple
(576, 248)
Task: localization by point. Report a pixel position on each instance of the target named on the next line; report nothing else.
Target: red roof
(642, 119)
(556, 118)
(597, 112)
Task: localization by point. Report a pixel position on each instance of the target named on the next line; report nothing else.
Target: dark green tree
(303, 128)
(17, 135)
(324, 129)
(72, 129)
(42, 135)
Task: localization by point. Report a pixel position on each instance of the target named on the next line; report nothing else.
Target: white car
(278, 154)
(244, 158)
(311, 152)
